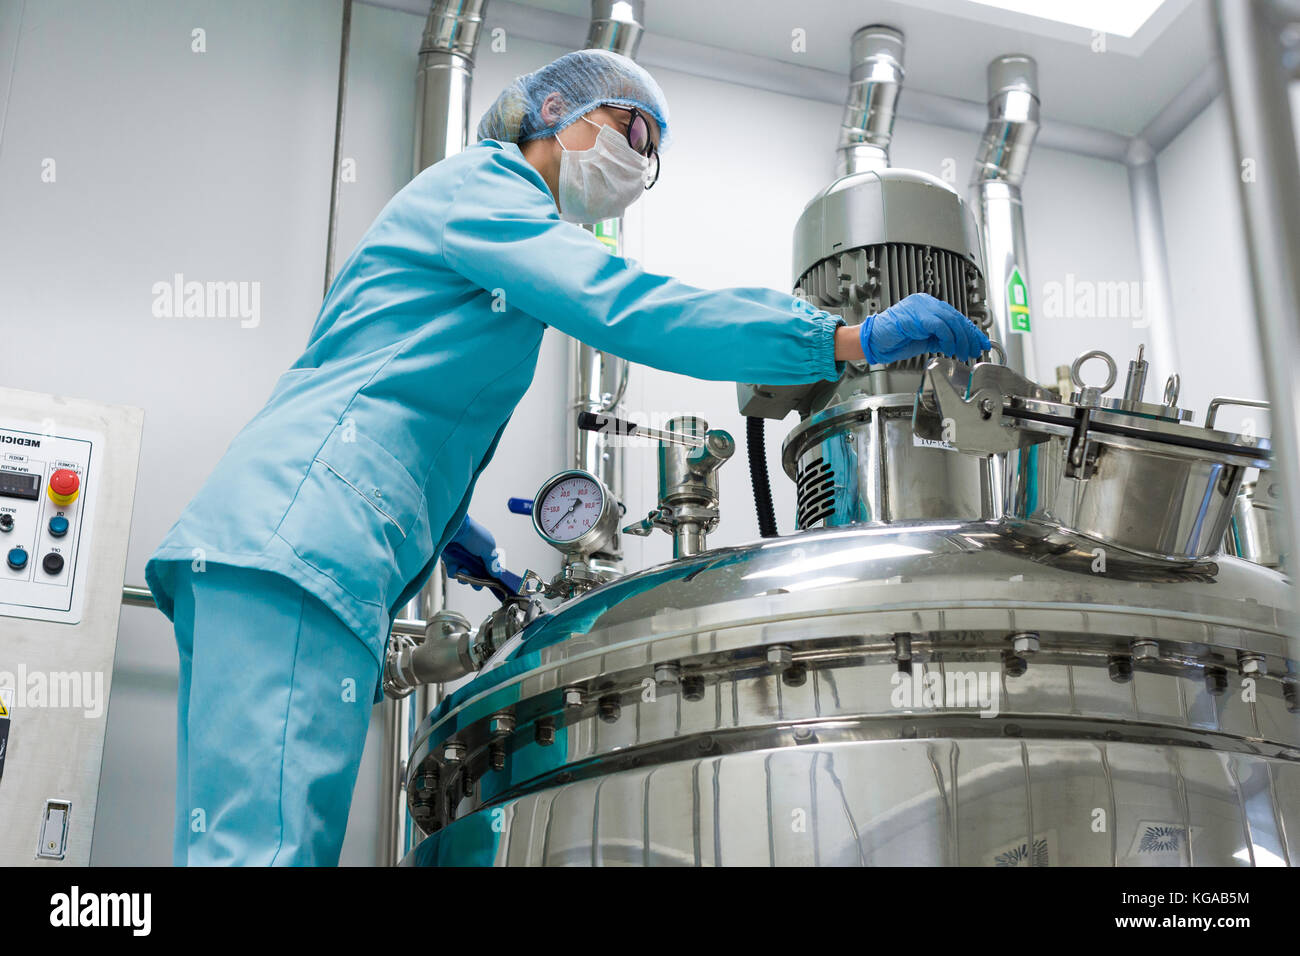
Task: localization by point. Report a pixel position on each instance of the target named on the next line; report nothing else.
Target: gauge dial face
(570, 508)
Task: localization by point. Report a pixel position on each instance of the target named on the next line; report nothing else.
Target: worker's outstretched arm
(504, 233)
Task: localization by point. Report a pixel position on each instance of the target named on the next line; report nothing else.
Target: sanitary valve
(690, 454)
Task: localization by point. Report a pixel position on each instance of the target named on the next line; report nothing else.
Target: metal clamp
(963, 407)
(1002, 353)
(1217, 403)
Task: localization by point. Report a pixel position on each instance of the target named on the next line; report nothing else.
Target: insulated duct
(599, 379)
(999, 170)
(876, 77)
(446, 73)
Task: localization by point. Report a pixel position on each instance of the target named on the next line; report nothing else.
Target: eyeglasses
(638, 137)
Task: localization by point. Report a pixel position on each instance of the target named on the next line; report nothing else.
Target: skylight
(1121, 18)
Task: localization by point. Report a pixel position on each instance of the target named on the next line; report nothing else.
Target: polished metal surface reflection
(1255, 531)
(931, 802)
(684, 713)
(1135, 499)
(1126, 474)
(860, 461)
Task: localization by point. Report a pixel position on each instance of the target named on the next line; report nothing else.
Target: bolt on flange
(780, 656)
(609, 709)
(1252, 665)
(1024, 642)
(693, 687)
(668, 675)
(1014, 664)
(1120, 669)
(796, 675)
(501, 725)
(1144, 650)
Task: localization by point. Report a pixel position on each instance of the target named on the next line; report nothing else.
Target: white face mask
(599, 183)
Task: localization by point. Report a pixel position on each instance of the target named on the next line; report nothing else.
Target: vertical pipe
(1157, 288)
(402, 719)
(1264, 132)
(443, 82)
(331, 236)
(599, 379)
(444, 79)
(999, 171)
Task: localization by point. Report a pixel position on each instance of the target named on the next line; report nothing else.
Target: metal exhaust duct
(876, 77)
(999, 170)
(599, 379)
(443, 82)
(616, 26)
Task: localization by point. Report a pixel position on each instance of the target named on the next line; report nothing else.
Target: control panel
(67, 487)
(47, 503)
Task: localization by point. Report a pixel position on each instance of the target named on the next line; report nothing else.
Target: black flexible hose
(757, 448)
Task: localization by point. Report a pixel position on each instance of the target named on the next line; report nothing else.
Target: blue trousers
(274, 701)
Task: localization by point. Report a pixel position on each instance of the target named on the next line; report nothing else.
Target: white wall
(217, 165)
(1213, 302)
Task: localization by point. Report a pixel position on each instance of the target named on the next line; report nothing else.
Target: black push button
(52, 563)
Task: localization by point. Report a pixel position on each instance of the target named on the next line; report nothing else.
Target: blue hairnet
(585, 80)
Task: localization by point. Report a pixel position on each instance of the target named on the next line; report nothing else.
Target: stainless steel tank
(970, 693)
(1123, 472)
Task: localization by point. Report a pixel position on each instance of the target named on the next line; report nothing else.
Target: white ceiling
(949, 45)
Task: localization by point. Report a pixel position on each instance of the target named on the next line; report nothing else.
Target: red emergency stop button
(64, 487)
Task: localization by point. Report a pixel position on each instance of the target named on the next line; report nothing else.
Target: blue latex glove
(919, 324)
(473, 550)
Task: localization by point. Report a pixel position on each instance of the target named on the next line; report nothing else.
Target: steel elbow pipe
(876, 77)
(444, 654)
(1003, 154)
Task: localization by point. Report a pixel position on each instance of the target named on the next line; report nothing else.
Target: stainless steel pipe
(876, 78)
(599, 379)
(1264, 132)
(1000, 165)
(446, 73)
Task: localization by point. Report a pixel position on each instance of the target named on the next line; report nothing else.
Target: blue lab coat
(360, 467)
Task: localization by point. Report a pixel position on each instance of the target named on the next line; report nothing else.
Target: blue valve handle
(520, 506)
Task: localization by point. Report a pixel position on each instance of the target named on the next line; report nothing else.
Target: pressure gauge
(575, 513)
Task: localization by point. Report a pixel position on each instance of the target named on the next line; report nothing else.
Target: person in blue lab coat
(329, 509)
